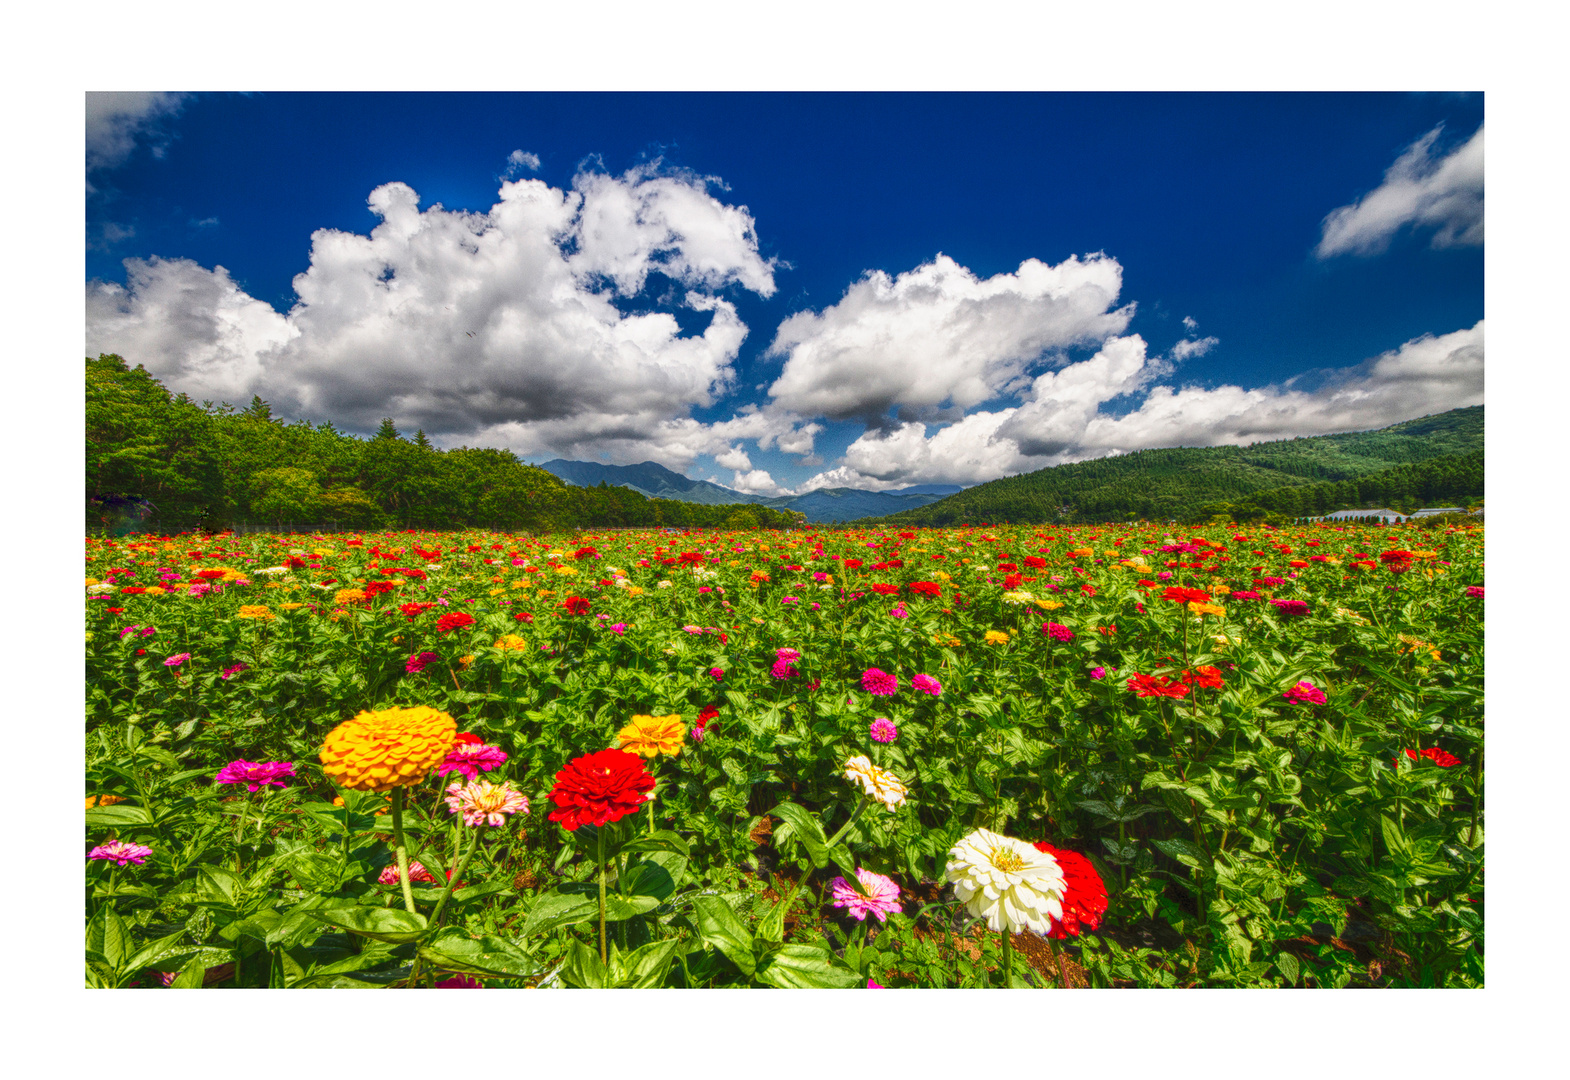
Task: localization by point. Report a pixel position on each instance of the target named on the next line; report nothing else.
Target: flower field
(1033, 756)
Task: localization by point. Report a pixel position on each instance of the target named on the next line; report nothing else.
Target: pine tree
(421, 441)
(387, 430)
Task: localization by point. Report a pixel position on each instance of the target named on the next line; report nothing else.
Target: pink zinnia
(1098, 673)
(1305, 692)
(1291, 607)
(926, 684)
(177, 659)
(416, 663)
(877, 895)
(883, 730)
(782, 669)
(1057, 631)
(458, 982)
(255, 774)
(485, 803)
(1475, 591)
(231, 672)
(121, 852)
(879, 683)
(471, 759)
(899, 612)
(790, 656)
(418, 874)
(717, 674)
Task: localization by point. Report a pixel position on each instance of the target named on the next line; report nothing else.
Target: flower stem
(1008, 959)
(401, 849)
(452, 882)
(600, 839)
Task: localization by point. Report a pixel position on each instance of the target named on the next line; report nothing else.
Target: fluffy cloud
(939, 335)
(758, 482)
(496, 328)
(1062, 420)
(519, 160)
(1421, 190)
(116, 120)
(1190, 347)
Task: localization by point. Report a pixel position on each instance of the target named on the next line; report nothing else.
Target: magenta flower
(899, 612)
(416, 663)
(877, 895)
(883, 730)
(1098, 673)
(879, 683)
(231, 672)
(926, 684)
(875, 985)
(782, 669)
(1475, 591)
(121, 852)
(458, 982)
(1305, 693)
(471, 759)
(617, 628)
(255, 774)
(177, 659)
(1057, 631)
(790, 656)
(717, 674)
(1291, 607)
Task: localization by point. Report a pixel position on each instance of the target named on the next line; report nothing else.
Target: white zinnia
(880, 784)
(100, 588)
(1007, 882)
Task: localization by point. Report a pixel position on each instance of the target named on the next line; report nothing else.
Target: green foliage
(211, 466)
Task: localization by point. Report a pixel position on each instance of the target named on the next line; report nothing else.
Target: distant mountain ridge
(655, 481)
(1180, 482)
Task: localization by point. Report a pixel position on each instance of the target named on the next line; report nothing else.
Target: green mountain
(1302, 476)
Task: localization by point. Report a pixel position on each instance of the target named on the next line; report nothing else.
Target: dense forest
(1436, 458)
(162, 461)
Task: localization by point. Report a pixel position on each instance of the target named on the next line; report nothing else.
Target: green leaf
(772, 926)
(555, 908)
(116, 938)
(656, 876)
(841, 857)
(805, 967)
(583, 969)
(807, 829)
(662, 840)
(488, 956)
(719, 926)
(118, 816)
(393, 925)
(191, 976)
(154, 951)
(1183, 851)
(645, 966)
(1289, 966)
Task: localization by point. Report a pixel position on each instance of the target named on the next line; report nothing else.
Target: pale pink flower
(177, 659)
(877, 895)
(485, 803)
(418, 874)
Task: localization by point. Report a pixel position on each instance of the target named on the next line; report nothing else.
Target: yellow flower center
(1007, 861)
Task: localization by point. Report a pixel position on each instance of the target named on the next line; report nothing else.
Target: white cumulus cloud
(939, 335)
(115, 120)
(1421, 190)
(1194, 347)
(1061, 421)
(494, 328)
(522, 159)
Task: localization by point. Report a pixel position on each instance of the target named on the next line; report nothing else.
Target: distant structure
(1348, 515)
(1432, 510)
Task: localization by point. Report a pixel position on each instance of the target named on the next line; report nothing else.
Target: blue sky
(786, 291)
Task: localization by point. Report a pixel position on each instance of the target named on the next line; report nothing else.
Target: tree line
(162, 460)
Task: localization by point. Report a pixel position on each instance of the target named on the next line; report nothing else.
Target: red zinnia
(885, 590)
(454, 620)
(576, 605)
(1207, 678)
(1156, 686)
(1185, 596)
(1439, 757)
(1084, 894)
(926, 588)
(599, 788)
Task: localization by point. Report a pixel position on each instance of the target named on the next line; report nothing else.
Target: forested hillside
(1190, 483)
(202, 465)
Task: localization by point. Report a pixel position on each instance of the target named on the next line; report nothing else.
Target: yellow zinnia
(997, 637)
(388, 748)
(348, 596)
(1206, 609)
(512, 641)
(652, 735)
(254, 611)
